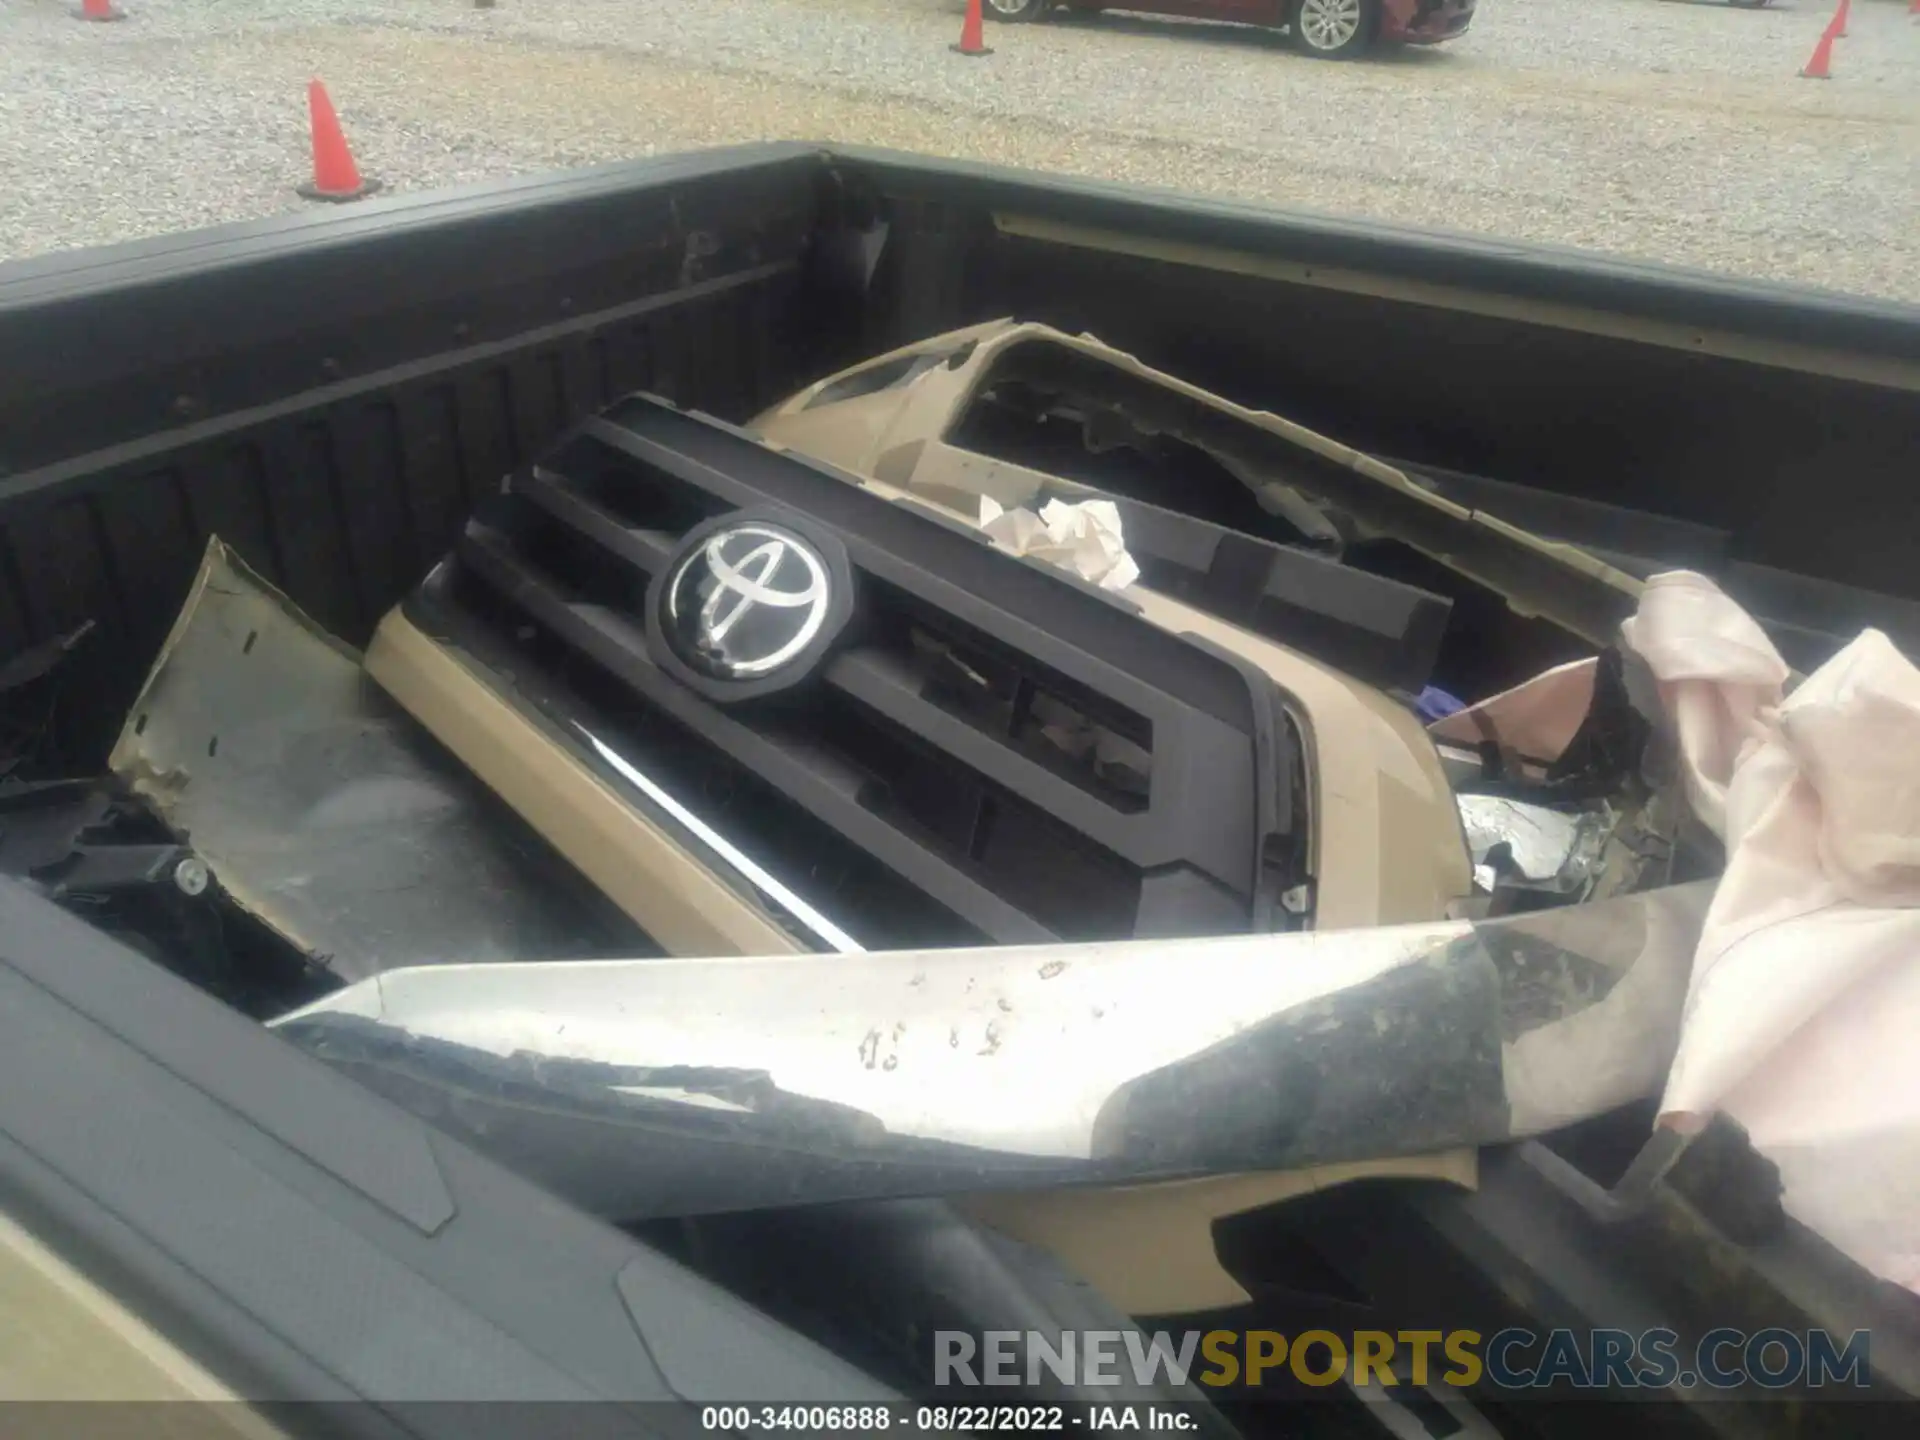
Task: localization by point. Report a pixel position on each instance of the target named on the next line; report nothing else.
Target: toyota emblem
(746, 601)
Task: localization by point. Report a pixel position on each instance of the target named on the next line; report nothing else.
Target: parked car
(1329, 29)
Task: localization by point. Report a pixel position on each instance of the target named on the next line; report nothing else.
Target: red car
(1328, 29)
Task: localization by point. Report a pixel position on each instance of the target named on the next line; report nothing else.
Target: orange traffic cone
(1840, 20)
(99, 10)
(335, 176)
(1819, 64)
(973, 40)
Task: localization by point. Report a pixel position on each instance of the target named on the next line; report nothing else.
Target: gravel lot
(1675, 131)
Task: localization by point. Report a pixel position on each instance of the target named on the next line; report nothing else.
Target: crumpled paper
(1082, 536)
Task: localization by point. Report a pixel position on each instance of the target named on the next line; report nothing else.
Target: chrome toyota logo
(746, 601)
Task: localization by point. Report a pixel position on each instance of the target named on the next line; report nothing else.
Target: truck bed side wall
(1788, 417)
(332, 400)
(332, 392)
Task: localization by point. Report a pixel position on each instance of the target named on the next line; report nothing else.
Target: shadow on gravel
(1415, 57)
(1195, 32)
(1782, 7)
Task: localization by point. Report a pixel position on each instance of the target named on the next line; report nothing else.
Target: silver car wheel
(1014, 9)
(1326, 24)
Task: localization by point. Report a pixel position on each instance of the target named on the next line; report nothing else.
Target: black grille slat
(894, 692)
(650, 550)
(670, 462)
(1147, 839)
(563, 696)
(814, 778)
(920, 740)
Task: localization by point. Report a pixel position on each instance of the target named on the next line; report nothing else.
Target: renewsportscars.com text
(1514, 1359)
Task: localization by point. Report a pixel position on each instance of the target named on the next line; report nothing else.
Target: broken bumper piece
(682, 1086)
(323, 811)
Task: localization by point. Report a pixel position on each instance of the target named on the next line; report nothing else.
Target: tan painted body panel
(63, 1338)
(885, 434)
(669, 894)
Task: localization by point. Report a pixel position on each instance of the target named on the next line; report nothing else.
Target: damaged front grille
(979, 749)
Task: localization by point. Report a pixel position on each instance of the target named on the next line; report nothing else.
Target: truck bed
(330, 394)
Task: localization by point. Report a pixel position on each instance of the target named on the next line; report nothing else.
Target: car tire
(1334, 29)
(1015, 12)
